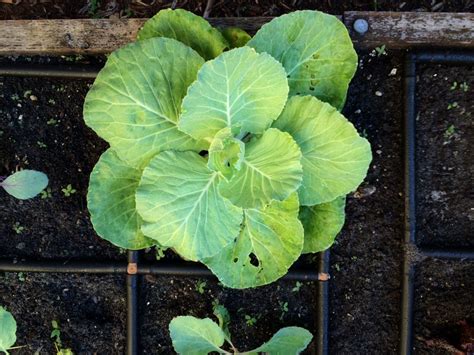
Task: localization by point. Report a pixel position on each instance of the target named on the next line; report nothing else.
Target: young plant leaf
(193, 336)
(135, 101)
(316, 51)
(182, 209)
(335, 158)
(271, 170)
(7, 330)
(287, 341)
(322, 223)
(25, 184)
(240, 89)
(111, 202)
(222, 314)
(188, 28)
(226, 153)
(236, 37)
(270, 241)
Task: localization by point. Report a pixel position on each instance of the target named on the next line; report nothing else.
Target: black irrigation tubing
(322, 321)
(410, 112)
(132, 304)
(58, 71)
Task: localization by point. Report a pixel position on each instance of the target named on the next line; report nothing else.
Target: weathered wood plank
(88, 36)
(413, 29)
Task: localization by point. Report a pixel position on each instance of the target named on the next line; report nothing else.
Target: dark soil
(90, 311)
(33, 9)
(164, 298)
(444, 308)
(445, 171)
(365, 263)
(41, 128)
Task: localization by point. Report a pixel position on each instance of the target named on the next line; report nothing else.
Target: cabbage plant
(232, 153)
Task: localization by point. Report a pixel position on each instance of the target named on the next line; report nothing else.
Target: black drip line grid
(133, 269)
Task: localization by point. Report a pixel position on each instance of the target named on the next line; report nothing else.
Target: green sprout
(454, 86)
(51, 122)
(160, 252)
(250, 321)
(464, 86)
(41, 144)
(201, 286)
(284, 309)
(449, 131)
(297, 287)
(380, 50)
(56, 336)
(46, 193)
(68, 190)
(18, 228)
(452, 105)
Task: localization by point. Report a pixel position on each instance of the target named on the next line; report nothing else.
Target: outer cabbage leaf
(182, 209)
(287, 341)
(316, 51)
(25, 184)
(236, 37)
(240, 89)
(7, 330)
(194, 336)
(188, 28)
(335, 158)
(270, 241)
(271, 170)
(135, 101)
(322, 223)
(111, 202)
(226, 153)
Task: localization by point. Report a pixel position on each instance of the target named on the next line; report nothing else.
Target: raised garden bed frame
(395, 30)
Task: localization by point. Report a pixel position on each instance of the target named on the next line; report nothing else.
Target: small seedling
(284, 309)
(201, 286)
(18, 228)
(449, 131)
(51, 101)
(250, 321)
(380, 50)
(25, 184)
(454, 85)
(21, 277)
(41, 144)
(68, 190)
(452, 105)
(297, 287)
(160, 252)
(58, 344)
(51, 122)
(46, 193)
(464, 86)
(190, 333)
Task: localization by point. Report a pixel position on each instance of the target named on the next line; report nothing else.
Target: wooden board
(413, 29)
(91, 36)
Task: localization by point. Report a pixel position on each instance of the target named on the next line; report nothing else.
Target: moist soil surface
(33, 9)
(445, 171)
(90, 311)
(365, 285)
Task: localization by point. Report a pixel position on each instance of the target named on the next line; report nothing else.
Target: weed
(250, 321)
(201, 286)
(46, 193)
(452, 105)
(56, 336)
(18, 228)
(297, 287)
(464, 86)
(284, 309)
(449, 131)
(68, 190)
(380, 50)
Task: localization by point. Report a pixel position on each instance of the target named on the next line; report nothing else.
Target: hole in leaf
(311, 88)
(253, 260)
(203, 153)
(236, 259)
